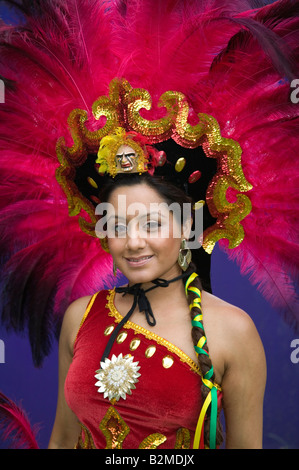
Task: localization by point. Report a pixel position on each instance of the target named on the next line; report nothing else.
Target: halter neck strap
(143, 303)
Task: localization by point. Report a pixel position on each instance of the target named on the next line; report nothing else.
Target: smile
(138, 261)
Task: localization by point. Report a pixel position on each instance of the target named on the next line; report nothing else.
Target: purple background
(36, 389)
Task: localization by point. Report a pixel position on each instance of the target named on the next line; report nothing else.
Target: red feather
(15, 427)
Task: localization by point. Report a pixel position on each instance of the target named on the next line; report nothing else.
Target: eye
(152, 225)
(116, 230)
(120, 229)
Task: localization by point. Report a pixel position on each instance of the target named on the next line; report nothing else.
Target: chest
(173, 325)
(165, 399)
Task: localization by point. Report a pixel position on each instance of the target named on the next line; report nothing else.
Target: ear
(186, 228)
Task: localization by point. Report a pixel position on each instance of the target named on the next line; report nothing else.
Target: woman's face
(144, 237)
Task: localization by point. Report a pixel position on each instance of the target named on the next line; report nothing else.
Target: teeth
(139, 259)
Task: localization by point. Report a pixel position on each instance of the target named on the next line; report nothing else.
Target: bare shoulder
(72, 320)
(77, 308)
(226, 316)
(231, 334)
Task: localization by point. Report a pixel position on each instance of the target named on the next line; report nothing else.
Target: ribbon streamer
(211, 399)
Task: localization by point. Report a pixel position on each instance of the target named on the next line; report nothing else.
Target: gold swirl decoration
(122, 109)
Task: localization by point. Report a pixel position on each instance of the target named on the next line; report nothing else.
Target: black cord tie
(143, 303)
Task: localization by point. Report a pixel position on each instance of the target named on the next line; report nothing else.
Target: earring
(184, 258)
(114, 268)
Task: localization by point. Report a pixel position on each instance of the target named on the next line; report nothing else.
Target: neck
(170, 276)
(159, 295)
(143, 300)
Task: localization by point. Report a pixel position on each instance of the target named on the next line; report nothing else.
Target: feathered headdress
(233, 61)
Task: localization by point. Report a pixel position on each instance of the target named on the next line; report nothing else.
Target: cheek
(116, 246)
(168, 248)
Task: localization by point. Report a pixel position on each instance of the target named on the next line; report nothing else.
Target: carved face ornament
(125, 159)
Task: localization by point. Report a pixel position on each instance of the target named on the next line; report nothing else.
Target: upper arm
(66, 427)
(243, 385)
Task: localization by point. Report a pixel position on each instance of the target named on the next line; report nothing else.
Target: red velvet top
(162, 411)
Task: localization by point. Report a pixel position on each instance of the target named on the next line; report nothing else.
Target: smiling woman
(148, 107)
(147, 245)
(150, 248)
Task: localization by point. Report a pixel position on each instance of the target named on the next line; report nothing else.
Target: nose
(135, 240)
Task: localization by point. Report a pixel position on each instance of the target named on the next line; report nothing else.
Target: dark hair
(204, 360)
(170, 194)
(166, 189)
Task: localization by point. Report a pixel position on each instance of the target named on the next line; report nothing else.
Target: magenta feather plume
(15, 427)
(233, 60)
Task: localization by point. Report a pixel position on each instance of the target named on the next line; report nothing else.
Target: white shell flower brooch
(117, 377)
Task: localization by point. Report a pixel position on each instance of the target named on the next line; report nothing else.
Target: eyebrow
(148, 214)
(116, 217)
(126, 154)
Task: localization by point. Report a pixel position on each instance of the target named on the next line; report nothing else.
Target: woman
(231, 80)
(235, 348)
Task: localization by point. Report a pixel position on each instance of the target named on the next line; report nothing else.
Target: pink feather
(15, 427)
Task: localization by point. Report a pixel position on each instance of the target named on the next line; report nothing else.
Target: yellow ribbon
(200, 422)
(189, 281)
(211, 398)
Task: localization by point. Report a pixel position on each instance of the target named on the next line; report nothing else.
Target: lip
(138, 260)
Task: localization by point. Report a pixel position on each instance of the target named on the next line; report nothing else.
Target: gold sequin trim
(114, 429)
(152, 441)
(148, 334)
(85, 440)
(89, 306)
(182, 439)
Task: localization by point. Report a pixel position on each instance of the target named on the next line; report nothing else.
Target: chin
(142, 276)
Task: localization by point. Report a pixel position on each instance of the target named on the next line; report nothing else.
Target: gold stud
(180, 164)
(150, 351)
(167, 362)
(92, 182)
(134, 344)
(121, 337)
(198, 205)
(109, 330)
